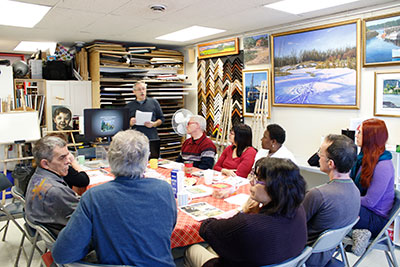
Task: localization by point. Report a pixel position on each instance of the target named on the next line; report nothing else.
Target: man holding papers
(145, 116)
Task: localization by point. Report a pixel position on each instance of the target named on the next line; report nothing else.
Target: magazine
(201, 211)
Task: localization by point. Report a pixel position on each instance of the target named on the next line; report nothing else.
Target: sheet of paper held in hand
(142, 117)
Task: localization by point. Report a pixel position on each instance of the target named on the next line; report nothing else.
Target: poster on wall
(381, 37)
(252, 80)
(317, 67)
(387, 94)
(256, 50)
(62, 118)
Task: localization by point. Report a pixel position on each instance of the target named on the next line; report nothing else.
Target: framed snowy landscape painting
(387, 94)
(317, 67)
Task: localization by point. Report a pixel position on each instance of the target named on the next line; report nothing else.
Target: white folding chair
(296, 261)
(382, 241)
(331, 239)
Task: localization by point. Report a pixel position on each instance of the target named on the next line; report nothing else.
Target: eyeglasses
(322, 155)
(255, 181)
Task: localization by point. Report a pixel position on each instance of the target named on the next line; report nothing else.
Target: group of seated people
(130, 220)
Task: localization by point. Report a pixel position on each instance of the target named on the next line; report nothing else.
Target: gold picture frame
(381, 42)
(218, 48)
(317, 67)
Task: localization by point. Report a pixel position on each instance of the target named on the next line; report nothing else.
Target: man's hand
(149, 124)
(132, 121)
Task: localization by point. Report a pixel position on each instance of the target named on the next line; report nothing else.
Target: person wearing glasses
(238, 158)
(271, 229)
(198, 148)
(373, 174)
(334, 204)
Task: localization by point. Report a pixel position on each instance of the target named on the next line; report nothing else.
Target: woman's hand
(251, 206)
(228, 172)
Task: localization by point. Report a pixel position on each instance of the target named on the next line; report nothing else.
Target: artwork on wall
(219, 48)
(62, 118)
(381, 38)
(256, 50)
(251, 90)
(317, 67)
(387, 94)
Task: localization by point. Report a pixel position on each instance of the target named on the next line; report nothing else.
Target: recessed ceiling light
(299, 7)
(21, 14)
(35, 46)
(190, 33)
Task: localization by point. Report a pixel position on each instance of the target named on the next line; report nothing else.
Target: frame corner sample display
(317, 67)
(252, 80)
(219, 48)
(381, 39)
(387, 94)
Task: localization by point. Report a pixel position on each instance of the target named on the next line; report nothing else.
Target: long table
(186, 231)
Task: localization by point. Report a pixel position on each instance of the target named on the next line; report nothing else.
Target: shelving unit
(113, 74)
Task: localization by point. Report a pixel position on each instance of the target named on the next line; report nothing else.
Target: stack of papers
(199, 191)
(201, 211)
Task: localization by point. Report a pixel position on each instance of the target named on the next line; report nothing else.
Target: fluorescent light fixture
(304, 6)
(190, 33)
(35, 46)
(21, 14)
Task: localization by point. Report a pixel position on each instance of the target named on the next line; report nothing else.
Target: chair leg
(33, 249)
(392, 259)
(5, 230)
(21, 244)
(344, 255)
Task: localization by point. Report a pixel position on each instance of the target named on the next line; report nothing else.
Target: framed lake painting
(387, 94)
(219, 48)
(381, 38)
(317, 67)
(252, 87)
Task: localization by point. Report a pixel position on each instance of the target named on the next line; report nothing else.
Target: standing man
(128, 220)
(334, 204)
(199, 148)
(146, 104)
(49, 200)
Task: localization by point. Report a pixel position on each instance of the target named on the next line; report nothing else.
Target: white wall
(305, 126)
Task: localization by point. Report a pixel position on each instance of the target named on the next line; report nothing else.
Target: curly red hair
(374, 137)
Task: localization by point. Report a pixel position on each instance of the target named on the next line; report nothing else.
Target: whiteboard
(18, 126)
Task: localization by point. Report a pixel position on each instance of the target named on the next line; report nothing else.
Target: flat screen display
(105, 122)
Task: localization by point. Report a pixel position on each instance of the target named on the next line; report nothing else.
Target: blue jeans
(371, 221)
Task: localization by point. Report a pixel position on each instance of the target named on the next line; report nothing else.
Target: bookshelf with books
(115, 69)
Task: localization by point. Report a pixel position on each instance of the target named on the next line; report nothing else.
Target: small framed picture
(387, 94)
(61, 117)
(219, 48)
(253, 83)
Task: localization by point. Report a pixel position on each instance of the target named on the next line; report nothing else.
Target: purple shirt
(380, 194)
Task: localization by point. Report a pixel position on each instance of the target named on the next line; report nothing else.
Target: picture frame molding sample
(380, 43)
(201, 48)
(391, 100)
(331, 79)
(249, 113)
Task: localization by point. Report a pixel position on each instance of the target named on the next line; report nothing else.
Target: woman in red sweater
(238, 158)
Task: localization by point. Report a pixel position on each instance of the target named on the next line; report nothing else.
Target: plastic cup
(154, 163)
(81, 159)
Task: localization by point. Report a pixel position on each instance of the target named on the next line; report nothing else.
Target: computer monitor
(104, 122)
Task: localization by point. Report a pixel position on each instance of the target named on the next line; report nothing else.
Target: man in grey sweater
(334, 204)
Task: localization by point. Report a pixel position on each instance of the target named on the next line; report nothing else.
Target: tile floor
(8, 251)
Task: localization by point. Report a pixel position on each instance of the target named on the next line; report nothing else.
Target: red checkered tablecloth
(186, 231)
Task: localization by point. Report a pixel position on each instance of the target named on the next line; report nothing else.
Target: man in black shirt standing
(146, 104)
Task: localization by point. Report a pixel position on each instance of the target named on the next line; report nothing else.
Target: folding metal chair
(382, 241)
(11, 211)
(331, 239)
(294, 262)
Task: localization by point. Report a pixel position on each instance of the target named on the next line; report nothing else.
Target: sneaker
(360, 241)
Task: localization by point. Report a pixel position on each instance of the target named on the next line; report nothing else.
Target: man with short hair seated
(199, 148)
(128, 220)
(49, 200)
(334, 204)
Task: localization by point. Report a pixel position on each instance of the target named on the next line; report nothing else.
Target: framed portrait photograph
(256, 50)
(254, 81)
(381, 39)
(61, 117)
(317, 67)
(219, 48)
(387, 94)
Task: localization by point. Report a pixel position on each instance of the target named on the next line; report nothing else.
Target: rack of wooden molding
(113, 74)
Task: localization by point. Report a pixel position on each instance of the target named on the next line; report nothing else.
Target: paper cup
(208, 176)
(183, 198)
